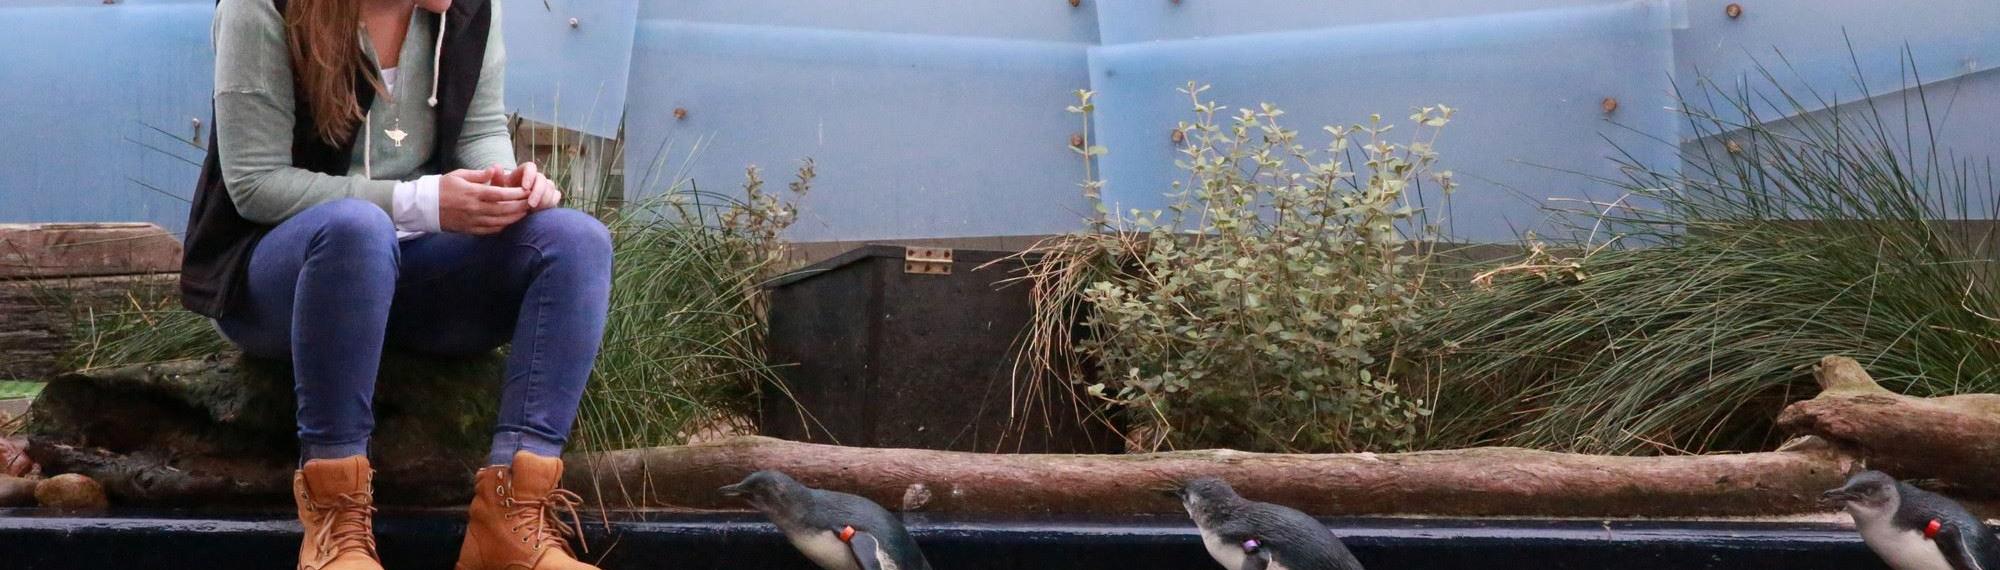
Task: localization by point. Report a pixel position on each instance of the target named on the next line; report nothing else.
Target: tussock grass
(683, 351)
(1694, 323)
(149, 328)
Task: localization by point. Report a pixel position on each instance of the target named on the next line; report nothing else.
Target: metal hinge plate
(927, 260)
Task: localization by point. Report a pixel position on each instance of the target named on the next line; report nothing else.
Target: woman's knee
(351, 220)
(569, 230)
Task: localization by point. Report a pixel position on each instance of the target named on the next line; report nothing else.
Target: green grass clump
(150, 328)
(684, 345)
(1778, 242)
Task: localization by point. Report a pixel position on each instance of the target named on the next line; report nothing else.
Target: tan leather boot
(514, 523)
(337, 507)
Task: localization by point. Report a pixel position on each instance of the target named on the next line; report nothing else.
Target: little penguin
(1242, 534)
(837, 531)
(1914, 529)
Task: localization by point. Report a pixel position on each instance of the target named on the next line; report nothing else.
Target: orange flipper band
(1931, 530)
(847, 532)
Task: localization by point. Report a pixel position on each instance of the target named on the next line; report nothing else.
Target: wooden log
(1469, 482)
(1954, 439)
(31, 251)
(38, 316)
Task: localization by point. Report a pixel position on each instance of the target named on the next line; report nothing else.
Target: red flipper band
(1931, 530)
(847, 532)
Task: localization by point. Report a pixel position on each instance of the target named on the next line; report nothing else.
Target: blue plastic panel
(1527, 112)
(570, 76)
(1044, 20)
(100, 103)
(915, 136)
(1947, 38)
(1128, 21)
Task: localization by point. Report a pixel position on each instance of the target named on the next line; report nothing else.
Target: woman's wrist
(416, 205)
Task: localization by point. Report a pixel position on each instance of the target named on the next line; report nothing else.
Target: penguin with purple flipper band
(1242, 534)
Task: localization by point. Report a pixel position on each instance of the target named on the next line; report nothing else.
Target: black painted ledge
(40, 540)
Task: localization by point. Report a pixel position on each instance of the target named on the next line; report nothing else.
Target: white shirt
(415, 203)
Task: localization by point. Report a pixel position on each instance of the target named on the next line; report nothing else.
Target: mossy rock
(221, 431)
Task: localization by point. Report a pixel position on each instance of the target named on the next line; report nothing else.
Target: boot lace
(347, 525)
(541, 519)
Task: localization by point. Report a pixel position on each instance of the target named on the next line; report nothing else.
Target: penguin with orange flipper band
(836, 531)
(1914, 529)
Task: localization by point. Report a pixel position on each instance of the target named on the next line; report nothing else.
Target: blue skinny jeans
(328, 288)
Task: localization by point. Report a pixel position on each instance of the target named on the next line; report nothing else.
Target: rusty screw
(680, 113)
(1076, 140)
(1179, 136)
(1610, 105)
(1075, 3)
(1734, 10)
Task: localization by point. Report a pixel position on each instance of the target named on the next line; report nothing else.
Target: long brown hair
(326, 57)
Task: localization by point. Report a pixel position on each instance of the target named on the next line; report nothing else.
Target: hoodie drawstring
(437, 57)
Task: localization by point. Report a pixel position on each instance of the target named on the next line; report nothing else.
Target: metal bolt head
(1075, 3)
(680, 113)
(1734, 10)
(573, 22)
(1610, 105)
(1076, 140)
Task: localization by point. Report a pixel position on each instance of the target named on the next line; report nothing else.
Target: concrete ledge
(41, 541)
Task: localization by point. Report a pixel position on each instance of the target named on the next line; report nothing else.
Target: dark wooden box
(880, 351)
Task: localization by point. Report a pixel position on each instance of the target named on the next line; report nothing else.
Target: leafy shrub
(1243, 315)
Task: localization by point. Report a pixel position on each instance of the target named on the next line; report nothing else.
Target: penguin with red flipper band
(836, 531)
(1914, 529)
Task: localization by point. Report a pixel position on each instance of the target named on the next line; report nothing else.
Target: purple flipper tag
(1251, 545)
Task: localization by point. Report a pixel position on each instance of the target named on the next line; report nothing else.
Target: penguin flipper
(868, 551)
(1256, 561)
(1959, 551)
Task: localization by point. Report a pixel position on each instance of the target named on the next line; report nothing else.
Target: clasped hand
(483, 202)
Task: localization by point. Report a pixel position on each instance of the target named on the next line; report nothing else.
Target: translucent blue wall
(924, 122)
(568, 61)
(940, 120)
(1529, 126)
(98, 107)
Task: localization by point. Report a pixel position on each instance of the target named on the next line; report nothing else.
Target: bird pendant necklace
(395, 131)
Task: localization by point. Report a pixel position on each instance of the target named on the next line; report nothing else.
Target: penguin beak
(736, 490)
(1172, 490)
(1836, 498)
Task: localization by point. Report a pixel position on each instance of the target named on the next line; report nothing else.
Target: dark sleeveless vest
(219, 240)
